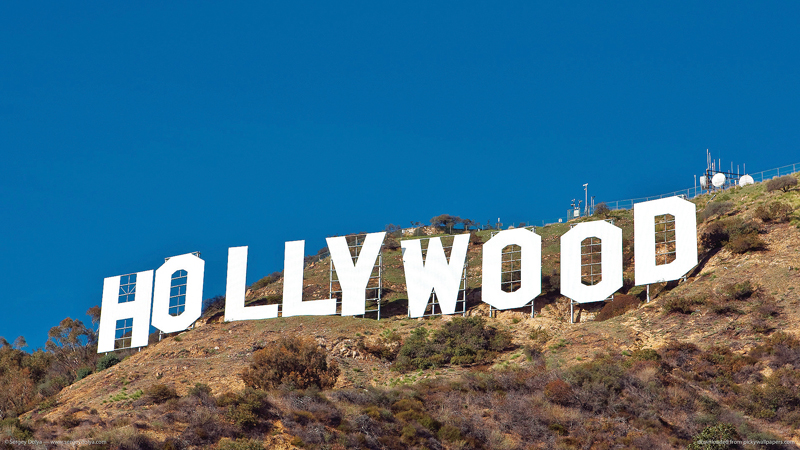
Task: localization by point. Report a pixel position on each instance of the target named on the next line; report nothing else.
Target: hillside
(705, 351)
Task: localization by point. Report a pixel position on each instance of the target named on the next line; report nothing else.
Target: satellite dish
(745, 180)
(718, 180)
(704, 182)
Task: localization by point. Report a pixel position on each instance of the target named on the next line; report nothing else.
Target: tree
(216, 303)
(392, 228)
(601, 210)
(446, 221)
(17, 390)
(73, 346)
(469, 223)
(20, 343)
(783, 183)
(94, 313)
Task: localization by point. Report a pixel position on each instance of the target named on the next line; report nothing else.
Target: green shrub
(539, 335)
(602, 378)
(738, 291)
(47, 403)
(216, 303)
(621, 304)
(269, 279)
(474, 239)
(200, 389)
(737, 234)
(715, 236)
(645, 354)
(725, 309)
(242, 416)
(601, 210)
(709, 438)
(69, 421)
(12, 427)
(297, 362)
(247, 408)
(463, 340)
(782, 348)
(131, 440)
(391, 243)
(759, 325)
(449, 433)
(774, 212)
(160, 393)
(393, 230)
(551, 282)
(715, 209)
(745, 243)
(107, 360)
(82, 373)
(682, 305)
(266, 300)
(378, 349)
(783, 183)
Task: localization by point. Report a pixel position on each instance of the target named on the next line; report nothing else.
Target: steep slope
(702, 310)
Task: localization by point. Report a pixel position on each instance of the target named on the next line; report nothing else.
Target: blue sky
(131, 132)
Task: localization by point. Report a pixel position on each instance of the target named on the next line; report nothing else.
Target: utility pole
(586, 195)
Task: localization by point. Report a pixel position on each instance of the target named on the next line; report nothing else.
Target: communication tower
(714, 178)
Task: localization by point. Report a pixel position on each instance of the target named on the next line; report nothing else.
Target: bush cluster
(82, 373)
(385, 347)
(783, 183)
(736, 234)
(621, 304)
(474, 239)
(160, 393)
(294, 361)
(391, 243)
(601, 210)
(715, 209)
(682, 305)
(248, 409)
(108, 360)
(463, 340)
(738, 291)
(269, 279)
(777, 212)
(216, 303)
(716, 434)
(618, 399)
(551, 282)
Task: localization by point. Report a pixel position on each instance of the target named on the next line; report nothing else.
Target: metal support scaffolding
(591, 267)
(177, 294)
(374, 285)
(433, 302)
(665, 239)
(124, 328)
(511, 272)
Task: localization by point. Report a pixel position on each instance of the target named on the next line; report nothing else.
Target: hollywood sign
(423, 276)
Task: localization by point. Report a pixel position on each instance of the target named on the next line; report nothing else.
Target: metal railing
(697, 190)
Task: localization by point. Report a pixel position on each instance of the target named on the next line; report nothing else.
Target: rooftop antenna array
(714, 178)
